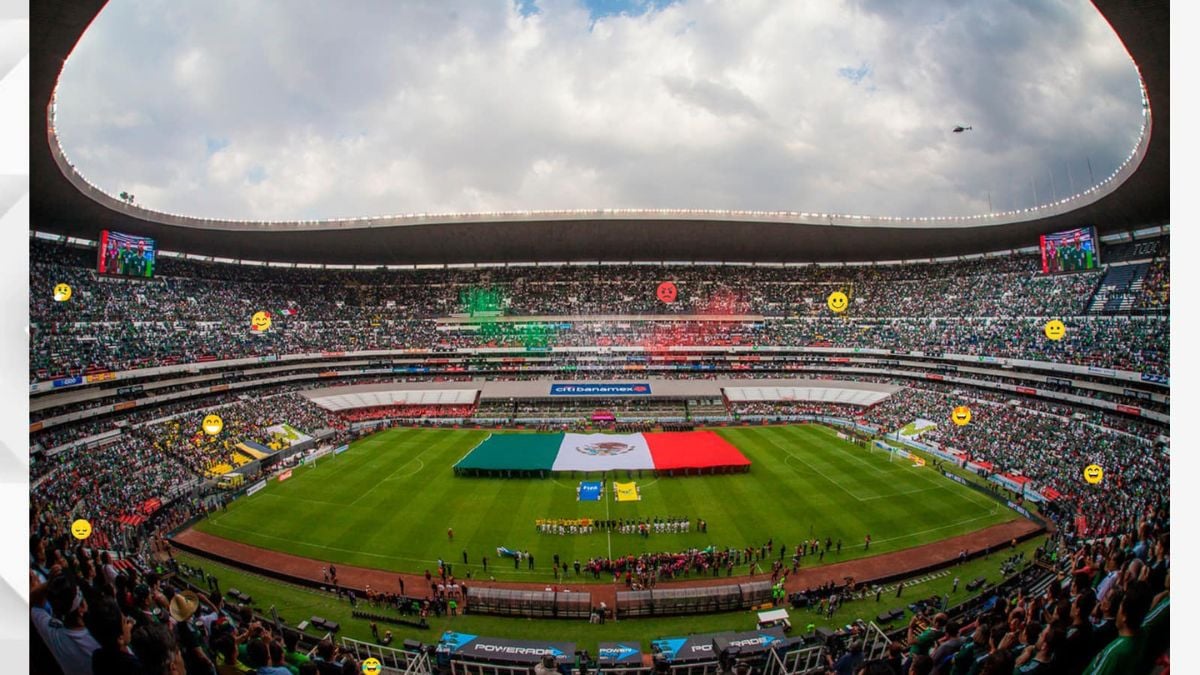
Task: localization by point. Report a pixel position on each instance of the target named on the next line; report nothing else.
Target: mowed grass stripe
(387, 502)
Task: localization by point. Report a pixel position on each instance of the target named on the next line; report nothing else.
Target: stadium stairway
(1116, 292)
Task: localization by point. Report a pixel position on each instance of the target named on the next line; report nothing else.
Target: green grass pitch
(387, 502)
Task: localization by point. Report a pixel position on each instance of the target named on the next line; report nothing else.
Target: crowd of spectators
(1048, 449)
(1106, 613)
(1156, 287)
(92, 613)
(407, 412)
(189, 313)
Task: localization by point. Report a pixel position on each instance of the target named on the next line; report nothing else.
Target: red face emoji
(667, 292)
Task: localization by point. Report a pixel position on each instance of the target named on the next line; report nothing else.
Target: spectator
(114, 631)
(63, 628)
(157, 650)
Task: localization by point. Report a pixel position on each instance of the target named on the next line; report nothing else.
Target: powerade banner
(686, 649)
(620, 654)
(632, 389)
(67, 382)
(499, 650)
(748, 643)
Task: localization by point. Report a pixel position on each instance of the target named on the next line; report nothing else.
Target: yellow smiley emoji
(261, 321)
(961, 416)
(1055, 330)
(62, 293)
(212, 425)
(838, 302)
(81, 529)
(372, 666)
(1093, 474)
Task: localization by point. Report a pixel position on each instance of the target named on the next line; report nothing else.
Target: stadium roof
(1137, 195)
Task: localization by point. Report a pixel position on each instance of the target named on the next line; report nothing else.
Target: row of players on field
(643, 527)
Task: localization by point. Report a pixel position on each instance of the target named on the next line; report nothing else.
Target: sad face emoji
(838, 302)
(1055, 330)
(212, 425)
(62, 293)
(961, 416)
(667, 292)
(372, 666)
(81, 529)
(261, 322)
(1093, 474)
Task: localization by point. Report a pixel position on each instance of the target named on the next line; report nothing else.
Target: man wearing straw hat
(191, 643)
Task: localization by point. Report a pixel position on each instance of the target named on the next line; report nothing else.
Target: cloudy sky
(312, 109)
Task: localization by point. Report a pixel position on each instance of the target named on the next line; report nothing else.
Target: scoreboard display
(1075, 250)
(126, 255)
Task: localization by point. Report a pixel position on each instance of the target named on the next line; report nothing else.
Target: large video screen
(1070, 251)
(126, 255)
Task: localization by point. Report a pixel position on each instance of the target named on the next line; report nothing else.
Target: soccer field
(387, 502)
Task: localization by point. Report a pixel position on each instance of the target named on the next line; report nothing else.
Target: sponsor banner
(1128, 409)
(620, 654)
(285, 475)
(1157, 379)
(218, 388)
(520, 652)
(124, 405)
(1005, 481)
(956, 478)
(256, 487)
(268, 359)
(100, 377)
(36, 426)
(1102, 371)
(603, 452)
(332, 354)
(1060, 381)
(66, 382)
(1019, 509)
(1026, 390)
(1137, 393)
(317, 454)
(934, 376)
(131, 389)
(686, 649)
(748, 643)
(583, 389)
(340, 449)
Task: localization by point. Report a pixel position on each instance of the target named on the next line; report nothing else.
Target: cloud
(319, 110)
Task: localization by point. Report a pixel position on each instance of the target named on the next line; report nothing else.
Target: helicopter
(959, 129)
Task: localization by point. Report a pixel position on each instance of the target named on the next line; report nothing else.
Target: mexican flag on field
(603, 452)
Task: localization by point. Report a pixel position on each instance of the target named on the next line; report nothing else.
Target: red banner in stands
(285, 475)
(1129, 409)
(1026, 390)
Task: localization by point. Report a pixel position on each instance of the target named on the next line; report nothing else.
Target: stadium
(682, 440)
